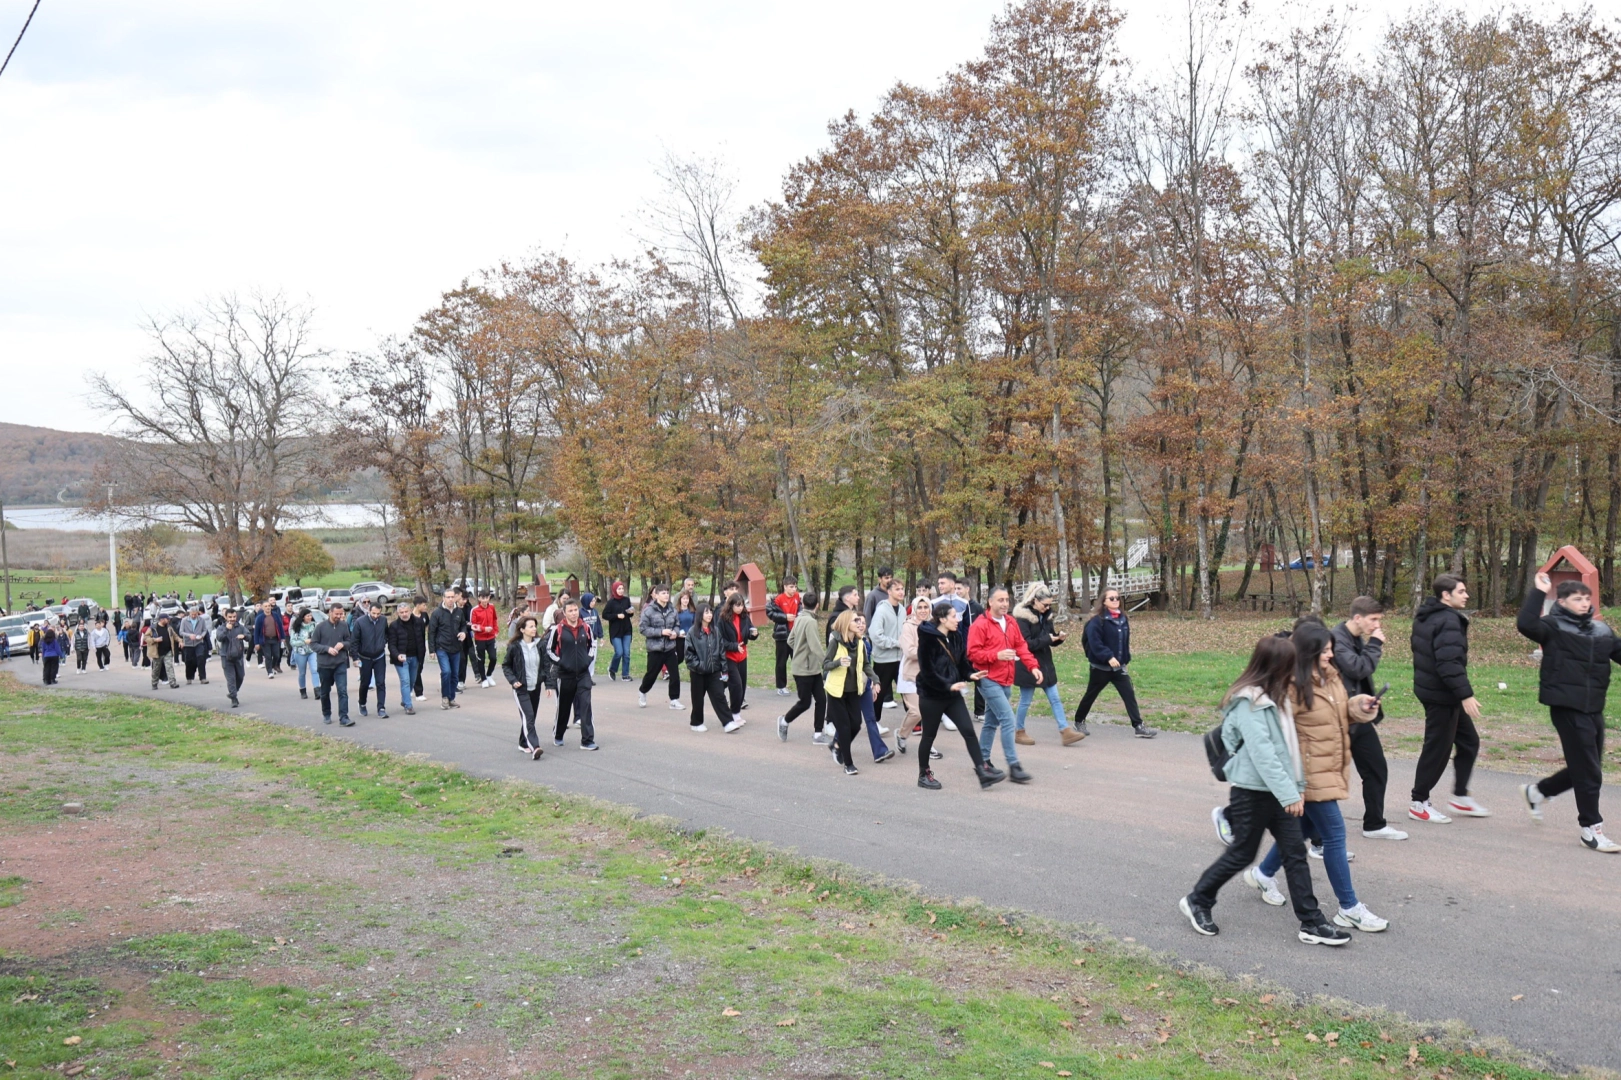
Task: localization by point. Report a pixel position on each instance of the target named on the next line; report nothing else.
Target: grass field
(241, 900)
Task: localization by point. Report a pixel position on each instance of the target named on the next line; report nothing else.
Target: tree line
(1287, 301)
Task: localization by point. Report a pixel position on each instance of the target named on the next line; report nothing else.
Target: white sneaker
(1423, 811)
(890, 705)
(737, 722)
(1534, 798)
(675, 703)
(1464, 806)
(489, 683)
(1360, 918)
(945, 722)
(1316, 852)
(641, 701)
(821, 738)
(1386, 833)
(882, 730)
(782, 728)
(1595, 839)
(1267, 886)
(699, 729)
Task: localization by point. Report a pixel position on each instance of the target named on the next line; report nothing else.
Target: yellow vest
(836, 677)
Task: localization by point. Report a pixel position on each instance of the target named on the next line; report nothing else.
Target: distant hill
(42, 465)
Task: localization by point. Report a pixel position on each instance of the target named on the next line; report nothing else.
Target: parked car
(375, 590)
(168, 605)
(15, 628)
(340, 597)
(1308, 563)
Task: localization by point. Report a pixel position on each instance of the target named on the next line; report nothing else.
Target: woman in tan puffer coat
(1322, 712)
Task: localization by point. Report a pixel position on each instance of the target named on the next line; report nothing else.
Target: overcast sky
(367, 156)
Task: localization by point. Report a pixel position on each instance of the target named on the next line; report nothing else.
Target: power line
(20, 33)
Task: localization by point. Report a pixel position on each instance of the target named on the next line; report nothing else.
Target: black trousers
(374, 668)
(668, 660)
(1100, 678)
(52, 663)
(737, 681)
(887, 673)
(528, 707)
(845, 714)
(1446, 728)
(574, 695)
(933, 709)
(1253, 814)
(484, 664)
(811, 695)
(1369, 755)
(1582, 736)
(783, 652)
(196, 657)
(270, 652)
(82, 659)
(461, 665)
(708, 685)
(104, 656)
(235, 672)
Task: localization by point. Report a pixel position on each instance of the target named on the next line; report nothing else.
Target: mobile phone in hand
(1383, 690)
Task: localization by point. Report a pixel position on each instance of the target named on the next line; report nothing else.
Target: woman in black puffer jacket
(942, 675)
(706, 663)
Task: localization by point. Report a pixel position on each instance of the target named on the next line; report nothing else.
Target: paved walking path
(1111, 832)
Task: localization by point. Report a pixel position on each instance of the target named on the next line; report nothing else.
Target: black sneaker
(1143, 731)
(1323, 932)
(851, 770)
(1204, 924)
(363, 710)
(927, 780)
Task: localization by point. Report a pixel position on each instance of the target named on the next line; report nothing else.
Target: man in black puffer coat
(1577, 651)
(1441, 683)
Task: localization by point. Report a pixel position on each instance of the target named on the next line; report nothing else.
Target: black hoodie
(942, 662)
(1440, 654)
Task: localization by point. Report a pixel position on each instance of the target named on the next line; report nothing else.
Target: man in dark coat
(1441, 684)
(1577, 651)
(1359, 643)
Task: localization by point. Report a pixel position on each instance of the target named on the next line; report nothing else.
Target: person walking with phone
(1451, 710)
(1358, 645)
(1577, 651)
(1107, 642)
(1267, 773)
(1035, 615)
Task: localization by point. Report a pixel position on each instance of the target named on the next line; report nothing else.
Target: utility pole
(112, 550)
(5, 560)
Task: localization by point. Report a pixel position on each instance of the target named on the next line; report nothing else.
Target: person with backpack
(1441, 683)
(1257, 751)
(1107, 643)
(1323, 709)
(707, 668)
(806, 651)
(618, 616)
(1035, 615)
(1577, 651)
(568, 655)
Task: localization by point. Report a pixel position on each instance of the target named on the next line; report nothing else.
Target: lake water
(68, 518)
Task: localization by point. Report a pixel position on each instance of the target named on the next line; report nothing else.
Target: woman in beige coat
(1323, 709)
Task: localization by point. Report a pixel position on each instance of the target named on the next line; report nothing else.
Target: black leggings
(708, 685)
(810, 693)
(844, 712)
(933, 709)
(1101, 677)
(737, 682)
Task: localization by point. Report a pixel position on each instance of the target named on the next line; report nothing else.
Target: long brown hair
(1102, 608)
(1309, 640)
(1271, 670)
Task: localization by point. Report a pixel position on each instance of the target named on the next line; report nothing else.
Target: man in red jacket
(994, 646)
(483, 621)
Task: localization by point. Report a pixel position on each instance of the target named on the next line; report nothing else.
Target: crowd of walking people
(1303, 713)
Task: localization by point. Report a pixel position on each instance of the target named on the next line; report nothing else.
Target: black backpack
(1215, 751)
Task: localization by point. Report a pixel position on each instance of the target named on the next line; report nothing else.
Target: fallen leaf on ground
(1046, 1065)
(730, 1012)
(930, 914)
(1079, 961)
(1517, 997)
(787, 1023)
(72, 1040)
(1312, 1038)
(1065, 1072)
(1267, 999)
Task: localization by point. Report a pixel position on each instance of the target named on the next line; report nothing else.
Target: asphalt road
(1112, 831)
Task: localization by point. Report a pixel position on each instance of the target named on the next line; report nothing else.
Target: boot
(1017, 774)
(1071, 736)
(303, 693)
(1022, 737)
(988, 776)
(927, 780)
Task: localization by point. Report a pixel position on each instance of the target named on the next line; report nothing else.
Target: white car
(15, 628)
(367, 591)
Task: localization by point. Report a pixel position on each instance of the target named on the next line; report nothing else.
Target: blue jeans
(1324, 819)
(620, 664)
(305, 662)
(869, 715)
(408, 677)
(449, 668)
(339, 677)
(1028, 693)
(998, 716)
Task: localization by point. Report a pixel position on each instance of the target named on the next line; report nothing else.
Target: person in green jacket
(1268, 793)
(806, 650)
